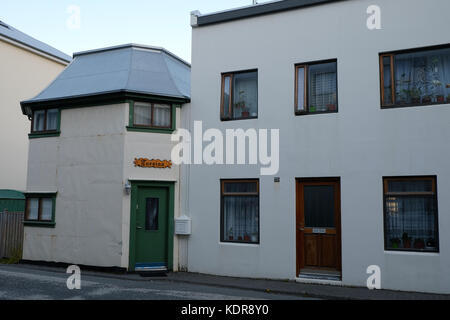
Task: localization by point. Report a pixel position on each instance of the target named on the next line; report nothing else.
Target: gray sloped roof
(127, 68)
(11, 33)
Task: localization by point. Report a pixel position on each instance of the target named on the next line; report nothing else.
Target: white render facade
(360, 144)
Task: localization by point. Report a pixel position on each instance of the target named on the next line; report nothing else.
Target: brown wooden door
(318, 225)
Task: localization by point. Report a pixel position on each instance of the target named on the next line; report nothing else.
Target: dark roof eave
(99, 98)
(257, 10)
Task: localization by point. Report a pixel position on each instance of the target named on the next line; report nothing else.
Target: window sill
(44, 135)
(306, 113)
(410, 251)
(234, 119)
(407, 105)
(39, 224)
(154, 130)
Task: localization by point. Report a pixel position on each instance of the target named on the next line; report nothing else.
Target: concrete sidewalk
(273, 286)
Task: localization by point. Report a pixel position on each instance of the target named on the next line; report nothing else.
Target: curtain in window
(241, 218)
(47, 209)
(32, 209)
(52, 119)
(422, 77)
(142, 114)
(322, 86)
(411, 216)
(245, 95)
(161, 115)
(39, 120)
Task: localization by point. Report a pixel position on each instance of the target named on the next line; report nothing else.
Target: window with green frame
(152, 117)
(40, 210)
(45, 122)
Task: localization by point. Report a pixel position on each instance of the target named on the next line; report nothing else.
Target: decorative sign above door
(154, 163)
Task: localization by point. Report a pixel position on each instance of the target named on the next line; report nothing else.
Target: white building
(364, 121)
(101, 189)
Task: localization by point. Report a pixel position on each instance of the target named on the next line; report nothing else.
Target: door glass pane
(161, 115)
(322, 87)
(142, 114)
(245, 95)
(301, 89)
(52, 119)
(38, 121)
(410, 185)
(151, 214)
(47, 209)
(33, 209)
(226, 96)
(240, 187)
(319, 206)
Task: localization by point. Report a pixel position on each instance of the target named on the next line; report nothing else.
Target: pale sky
(164, 23)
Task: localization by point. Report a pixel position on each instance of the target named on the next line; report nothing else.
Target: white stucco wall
(88, 166)
(23, 75)
(360, 144)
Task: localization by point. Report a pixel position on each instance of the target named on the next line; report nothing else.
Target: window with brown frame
(40, 208)
(45, 120)
(152, 115)
(239, 97)
(240, 211)
(316, 87)
(411, 214)
(415, 77)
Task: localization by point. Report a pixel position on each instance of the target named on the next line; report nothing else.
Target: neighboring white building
(27, 66)
(101, 189)
(364, 121)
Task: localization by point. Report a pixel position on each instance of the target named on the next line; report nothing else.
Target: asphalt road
(37, 283)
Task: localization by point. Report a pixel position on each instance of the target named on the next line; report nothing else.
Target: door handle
(139, 228)
(301, 229)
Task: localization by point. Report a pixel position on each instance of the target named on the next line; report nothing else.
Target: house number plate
(319, 230)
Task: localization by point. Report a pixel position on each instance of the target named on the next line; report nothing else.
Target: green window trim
(132, 128)
(39, 223)
(46, 134)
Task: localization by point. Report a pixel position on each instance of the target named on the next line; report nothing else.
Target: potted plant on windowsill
(246, 237)
(448, 98)
(440, 98)
(426, 99)
(406, 240)
(230, 234)
(331, 107)
(419, 243)
(431, 243)
(415, 95)
(395, 243)
(312, 109)
(245, 113)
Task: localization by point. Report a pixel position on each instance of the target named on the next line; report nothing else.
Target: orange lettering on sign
(154, 163)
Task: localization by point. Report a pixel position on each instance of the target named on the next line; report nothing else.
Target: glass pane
(47, 209)
(241, 218)
(245, 95)
(301, 89)
(240, 187)
(387, 86)
(33, 209)
(52, 119)
(226, 97)
(161, 115)
(319, 206)
(38, 121)
(410, 185)
(142, 114)
(151, 214)
(411, 223)
(423, 77)
(322, 87)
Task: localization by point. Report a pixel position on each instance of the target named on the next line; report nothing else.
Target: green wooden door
(151, 246)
